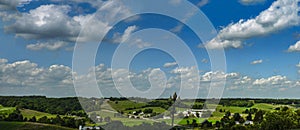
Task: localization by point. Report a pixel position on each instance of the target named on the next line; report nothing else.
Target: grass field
(30, 126)
(122, 105)
(6, 110)
(30, 113)
(155, 109)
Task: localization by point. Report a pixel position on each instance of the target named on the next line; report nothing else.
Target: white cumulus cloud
(256, 62)
(295, 48)
(170, 64)
(47, 46)
(280, 15)
(251, 2)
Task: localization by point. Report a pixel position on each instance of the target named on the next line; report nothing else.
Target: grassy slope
(30, 113)
(6, 110)
(30, 126)
(261, 106)
(25, 112)
(122, 105)
(108, 109)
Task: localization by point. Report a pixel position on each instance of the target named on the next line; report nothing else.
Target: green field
(260, 106)
(6, 110)
(25, 112)
(122, 105)
(30, 126)
(30, 113)
(155, 109)
(111, 106)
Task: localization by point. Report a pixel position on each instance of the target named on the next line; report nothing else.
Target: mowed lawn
(30, 126)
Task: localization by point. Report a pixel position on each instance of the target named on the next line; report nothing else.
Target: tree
(218, 124)
(194, 123)
(93, 116)
(228, 114)
(44, 119)
(285, 108)
(249, 117)
(15, 116)
(281, 120)
(197, 114)
(239, 127)
(173, 110)
(246, 111)
(236, 117)
(33, 119)
(206, 124)
(259, 116)
(57, 120)
(107, 119)
(298, 117)
(148, 111)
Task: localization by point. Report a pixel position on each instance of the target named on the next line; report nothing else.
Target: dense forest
(61, 106)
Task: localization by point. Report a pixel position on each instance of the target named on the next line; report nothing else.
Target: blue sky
(260, 38)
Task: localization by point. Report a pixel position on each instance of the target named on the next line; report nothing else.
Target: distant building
(90, 128)
(195, 111)
(166, 117)
(248, 122)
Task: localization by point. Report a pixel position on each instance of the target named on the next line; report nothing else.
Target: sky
(41, 41)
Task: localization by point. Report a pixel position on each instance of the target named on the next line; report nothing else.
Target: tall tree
(259, 116)
(173, 110)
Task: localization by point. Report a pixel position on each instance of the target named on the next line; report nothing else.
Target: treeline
(280, 119)
(61, 106)
(118, 125)
(238, 103)
(71, 122)
(269, 101)
(247, 102)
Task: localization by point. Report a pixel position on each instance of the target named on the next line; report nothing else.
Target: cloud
(295, 48)
(298, 66)
(256, 62)
(126, 37)
(28, 74)
(26, 77)
(175, 2)
(213, 76)
(189, 75)
(251, 2)
(43, 25)
(189, 15)
(274, 80)
(201, 3)
(2, 61)
(47, 46)
(280, 15)
(12, 4)
(204, 60)
(170, 64)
